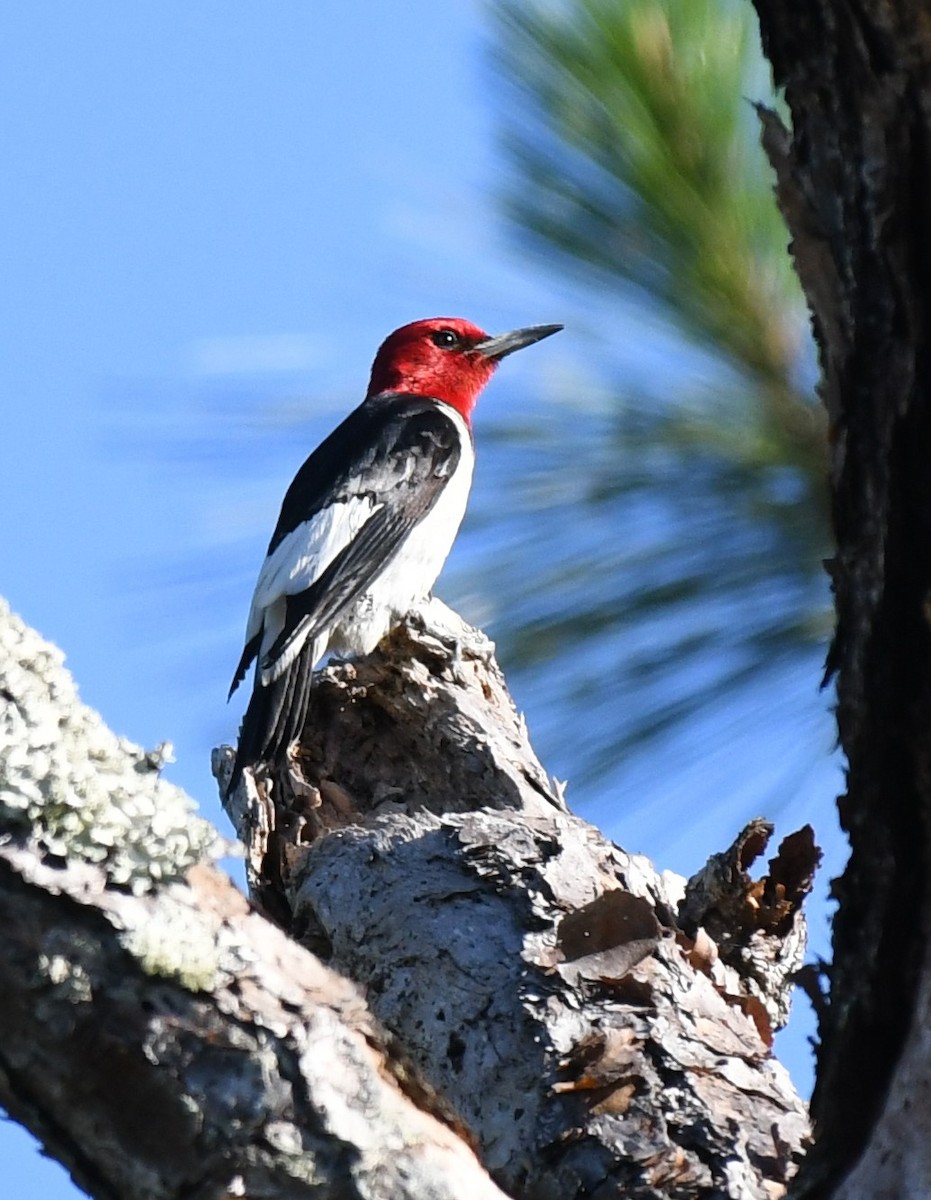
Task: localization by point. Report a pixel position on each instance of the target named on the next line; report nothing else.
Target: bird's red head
(445, 358)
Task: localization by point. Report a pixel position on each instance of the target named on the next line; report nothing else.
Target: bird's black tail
(275, 716)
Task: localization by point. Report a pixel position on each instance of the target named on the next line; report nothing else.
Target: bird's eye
(446, 339)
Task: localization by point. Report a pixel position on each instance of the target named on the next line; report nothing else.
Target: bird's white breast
(411, 573)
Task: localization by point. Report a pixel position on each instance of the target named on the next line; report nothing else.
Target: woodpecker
(367, 522)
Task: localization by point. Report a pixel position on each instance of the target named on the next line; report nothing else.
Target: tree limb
(164, 1039)
(537, 975)
(158, 1035)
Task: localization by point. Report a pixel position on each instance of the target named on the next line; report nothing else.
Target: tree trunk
(854, 183)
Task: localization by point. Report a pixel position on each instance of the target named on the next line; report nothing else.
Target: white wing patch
(295, 563)
(406, 579)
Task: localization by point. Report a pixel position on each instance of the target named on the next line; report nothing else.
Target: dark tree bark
(854, 183)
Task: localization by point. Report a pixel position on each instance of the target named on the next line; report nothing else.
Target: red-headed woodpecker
(367, 522)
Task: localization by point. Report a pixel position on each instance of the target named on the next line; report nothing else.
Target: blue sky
(205, 204)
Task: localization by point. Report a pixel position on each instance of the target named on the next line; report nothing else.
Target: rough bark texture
(158, 1035)
(854, 183)
(538, 976)
(165, 1039)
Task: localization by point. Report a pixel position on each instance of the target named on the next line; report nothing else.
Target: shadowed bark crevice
(854, 186)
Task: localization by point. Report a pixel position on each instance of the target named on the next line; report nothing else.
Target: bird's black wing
(359, 456)
(411, 451)
(250, 650)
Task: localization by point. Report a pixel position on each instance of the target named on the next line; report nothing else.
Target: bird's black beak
(502, 344)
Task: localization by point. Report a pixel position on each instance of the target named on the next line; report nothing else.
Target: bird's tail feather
(275, 716)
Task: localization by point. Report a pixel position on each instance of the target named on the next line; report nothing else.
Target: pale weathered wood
(161, 1037)
(537, 975)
